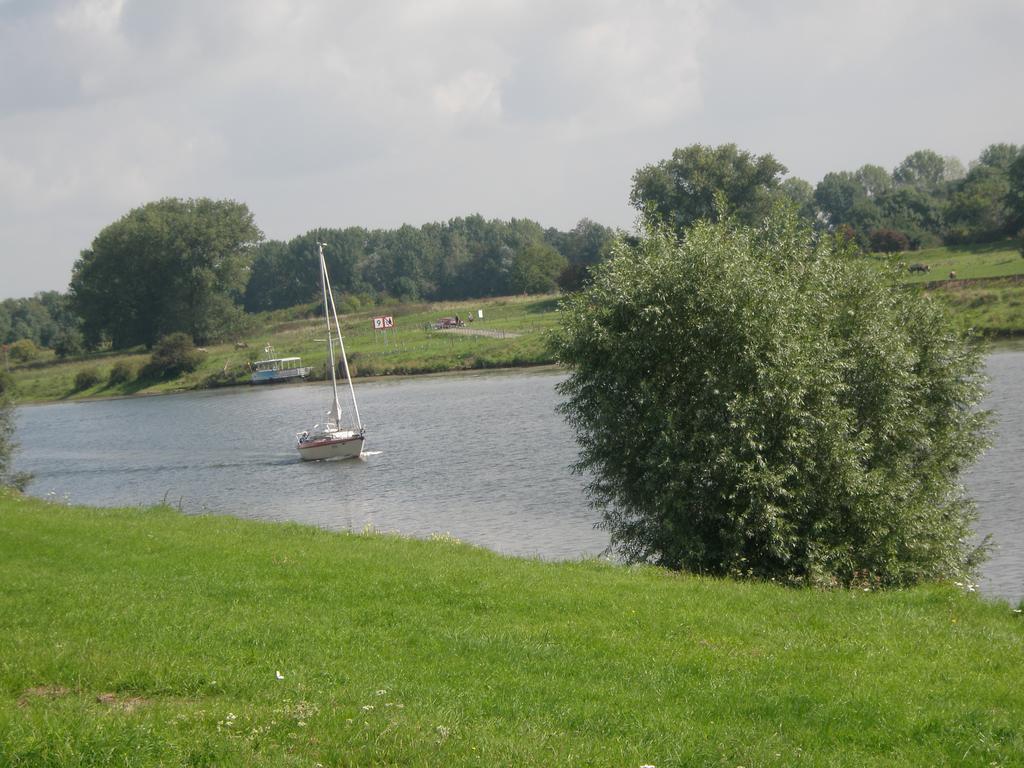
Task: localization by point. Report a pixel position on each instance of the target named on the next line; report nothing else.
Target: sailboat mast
(344, 357)
(325, 284)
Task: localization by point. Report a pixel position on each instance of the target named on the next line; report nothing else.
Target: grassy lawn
(144, 637)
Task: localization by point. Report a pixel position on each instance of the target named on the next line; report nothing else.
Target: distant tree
(536, 268)
(1015, 196)
(979, 206)
(752, 401)
(837, 194)
(874, 180)
(588, 243)
(923, 170)
(172, 356)
(68, 342)
(801, 194)
(169, 266)
(683, 189)
(915, 213)
(953, 169)
(1000, 156)
(888, 241)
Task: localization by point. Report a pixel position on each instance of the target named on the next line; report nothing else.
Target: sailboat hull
(349, 447)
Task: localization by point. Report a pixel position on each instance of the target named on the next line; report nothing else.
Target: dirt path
(481, 332)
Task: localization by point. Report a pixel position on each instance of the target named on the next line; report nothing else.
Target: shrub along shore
(145, 637)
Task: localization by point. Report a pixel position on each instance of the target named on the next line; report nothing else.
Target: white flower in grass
(279, 675)
(381, 693)
(367, 707)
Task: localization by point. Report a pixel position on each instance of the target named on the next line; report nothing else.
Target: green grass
(993, 307)
(970, 262)
(144, 637)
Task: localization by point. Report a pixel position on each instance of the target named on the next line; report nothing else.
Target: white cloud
(327, 113)
(472, 93)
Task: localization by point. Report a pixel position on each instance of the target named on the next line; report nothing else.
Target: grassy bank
(511, 334)
(149, 638)
(969, 262)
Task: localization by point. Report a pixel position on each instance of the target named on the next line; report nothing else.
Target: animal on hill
(952, 275)
(919, 268)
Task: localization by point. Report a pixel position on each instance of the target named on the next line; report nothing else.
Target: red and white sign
(383, 322)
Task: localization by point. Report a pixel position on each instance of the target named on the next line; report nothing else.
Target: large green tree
(686, 187)
(171, 265)
(758, 401)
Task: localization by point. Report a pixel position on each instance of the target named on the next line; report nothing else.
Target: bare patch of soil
(124, 703)
(42, 692)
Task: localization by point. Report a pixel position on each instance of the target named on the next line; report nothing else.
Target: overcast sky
(377, 113)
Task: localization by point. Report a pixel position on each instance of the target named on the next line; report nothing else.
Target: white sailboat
(332, 440)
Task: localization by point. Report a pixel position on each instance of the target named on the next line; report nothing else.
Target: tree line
(926, 200)
(199, 266)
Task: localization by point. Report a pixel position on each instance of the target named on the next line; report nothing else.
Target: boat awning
(279, 360)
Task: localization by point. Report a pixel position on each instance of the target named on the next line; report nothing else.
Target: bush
(888, 241)
(68, 342)
(751, 401)
(22, 351)
(86, 378)
(121, 373)
(172, 356)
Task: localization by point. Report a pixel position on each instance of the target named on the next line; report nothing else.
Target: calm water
(482, 457)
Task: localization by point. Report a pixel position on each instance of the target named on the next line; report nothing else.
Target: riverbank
(146, 637)
(509, 334)
(986, 296)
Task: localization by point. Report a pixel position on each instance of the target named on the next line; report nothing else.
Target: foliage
(172, 265)
(536, 268)
(888, 241)
(683, 189)
(121, 372)
(23, 351)
(753, 401)
(7, 445)
(173, 355)
(923, 170)
(86, 378)
(457, 259)
(40, 319)
(1015, 196)
(68, 342)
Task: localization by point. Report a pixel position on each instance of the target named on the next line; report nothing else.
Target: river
(481, 457)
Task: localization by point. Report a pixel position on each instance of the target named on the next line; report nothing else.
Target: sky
(330, 113)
